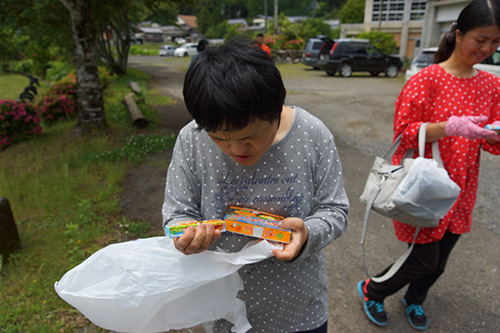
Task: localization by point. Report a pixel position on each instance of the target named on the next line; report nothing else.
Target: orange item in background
(255, 223)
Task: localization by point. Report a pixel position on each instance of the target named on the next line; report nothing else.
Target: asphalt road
(359, 112)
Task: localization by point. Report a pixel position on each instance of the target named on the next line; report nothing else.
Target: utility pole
(276, 17)
(380, 15)
(265, 16)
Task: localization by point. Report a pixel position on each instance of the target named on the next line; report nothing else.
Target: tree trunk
(90, 102)
(9, 237)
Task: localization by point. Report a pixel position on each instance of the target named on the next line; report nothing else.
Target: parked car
(491, 64)
(426, 58)
(357, 55)
(186, 50)
(312, 49)
(422, 60)
(166, 50)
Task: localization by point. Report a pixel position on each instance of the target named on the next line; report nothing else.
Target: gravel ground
(359, 112)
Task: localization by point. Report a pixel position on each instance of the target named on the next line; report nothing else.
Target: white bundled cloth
(147, 285)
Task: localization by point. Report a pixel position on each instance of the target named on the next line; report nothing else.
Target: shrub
(58, 70)
(18, 121)
(63, 88)
(294, 44)
(26, 66)
(55, 108)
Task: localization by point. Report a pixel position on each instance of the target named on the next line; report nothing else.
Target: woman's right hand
(197, 239)
(468, 127)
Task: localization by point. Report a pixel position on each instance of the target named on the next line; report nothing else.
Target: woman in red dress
(457, 101)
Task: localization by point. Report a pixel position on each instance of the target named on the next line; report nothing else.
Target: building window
(417, 10)
(388, 10)
(394, 10)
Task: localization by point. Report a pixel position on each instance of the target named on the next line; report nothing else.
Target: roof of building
(189, 20)
(150, 30)
(237, 21)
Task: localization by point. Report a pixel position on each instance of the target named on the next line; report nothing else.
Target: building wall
(438, 18)
(410, 35)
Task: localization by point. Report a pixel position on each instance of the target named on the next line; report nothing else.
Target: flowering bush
(294, 44)
(55, 108)
(18, 121)
(64, 87)
(59, 103)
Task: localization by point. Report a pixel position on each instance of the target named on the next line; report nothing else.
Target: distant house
(172, 33)
(297, 19)
(189, 23)
(240, 21)
(151, 34)
(334, 24)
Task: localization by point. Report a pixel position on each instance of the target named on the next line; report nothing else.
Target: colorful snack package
(255, 223)
(175, 230)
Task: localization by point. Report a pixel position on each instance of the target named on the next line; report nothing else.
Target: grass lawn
(64, 192)
(12, 85)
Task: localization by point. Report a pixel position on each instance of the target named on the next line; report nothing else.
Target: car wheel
(374, 73)
(392, 70)
(345, 69)
(330, 72)
(185, 54)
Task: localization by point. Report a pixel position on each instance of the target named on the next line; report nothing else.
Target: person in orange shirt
(259, 41)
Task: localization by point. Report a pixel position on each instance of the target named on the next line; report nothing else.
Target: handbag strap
(388, 156)
(399, 262)
(421, 147)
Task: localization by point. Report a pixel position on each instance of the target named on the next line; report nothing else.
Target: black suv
(357, 55)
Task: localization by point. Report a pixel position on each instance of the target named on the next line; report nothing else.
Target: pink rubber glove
(467, 126)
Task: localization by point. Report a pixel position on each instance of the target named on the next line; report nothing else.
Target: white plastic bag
(427, 191)
(147, 285)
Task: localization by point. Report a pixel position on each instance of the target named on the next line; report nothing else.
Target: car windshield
(317, 45)
(425, 57)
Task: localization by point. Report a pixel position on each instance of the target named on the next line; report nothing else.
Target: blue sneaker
(416, 316)
(373, 310)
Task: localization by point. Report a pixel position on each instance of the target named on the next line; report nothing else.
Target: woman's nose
(239, 147)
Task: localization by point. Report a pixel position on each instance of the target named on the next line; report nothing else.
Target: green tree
(218, 31)
(37, 30)
(382, 41)
(353, 11)
(313, 27)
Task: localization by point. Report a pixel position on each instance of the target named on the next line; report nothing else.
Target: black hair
(202, 44)
(479, 13)
(260, 34)
(228, 86)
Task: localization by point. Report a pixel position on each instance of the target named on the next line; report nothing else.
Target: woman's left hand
(299, 236)
(497, 139)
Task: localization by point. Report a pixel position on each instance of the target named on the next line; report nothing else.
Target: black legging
(422, 268)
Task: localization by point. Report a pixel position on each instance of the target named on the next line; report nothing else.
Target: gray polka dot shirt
(299, 176)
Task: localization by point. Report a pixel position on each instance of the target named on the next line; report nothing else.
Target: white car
(186, 50)
(491, 64)
(426, 58)
(166, 50)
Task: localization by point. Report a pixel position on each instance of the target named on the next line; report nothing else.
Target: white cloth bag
(147, 285)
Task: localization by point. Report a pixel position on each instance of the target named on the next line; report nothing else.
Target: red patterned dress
(433, 95)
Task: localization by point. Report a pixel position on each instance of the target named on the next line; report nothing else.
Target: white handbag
(418, 192)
